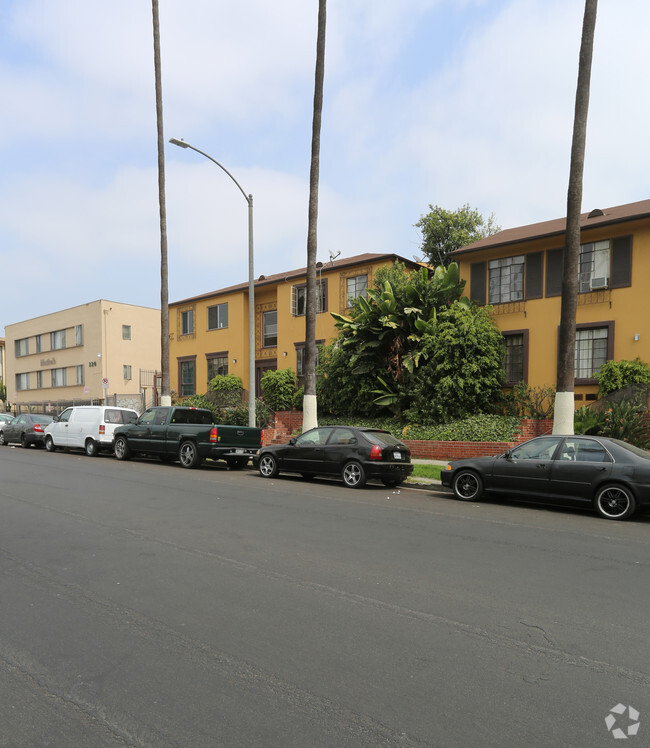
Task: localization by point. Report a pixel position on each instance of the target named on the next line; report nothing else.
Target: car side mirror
(55, 419)
(508, 455)
(292, 441)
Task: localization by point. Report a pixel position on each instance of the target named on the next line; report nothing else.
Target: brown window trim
(525, 333)
(609, 324)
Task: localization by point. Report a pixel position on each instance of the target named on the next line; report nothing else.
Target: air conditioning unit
(596, 284)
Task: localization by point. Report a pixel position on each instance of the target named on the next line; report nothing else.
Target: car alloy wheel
(3, 442)
(354, 475)
(268, 466)
(188, 455)
(615, 502)
(122, 451)
(467, 485)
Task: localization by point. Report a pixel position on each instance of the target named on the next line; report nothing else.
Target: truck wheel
(122, 451)
(49, 443)
(188, 454)
(237, 463)
(92, 448)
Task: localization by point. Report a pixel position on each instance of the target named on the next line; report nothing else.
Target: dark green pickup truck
(188, 435)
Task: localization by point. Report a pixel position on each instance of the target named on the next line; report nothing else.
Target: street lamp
(251, 283)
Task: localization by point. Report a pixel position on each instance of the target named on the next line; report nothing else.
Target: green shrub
(530, 402)
(588, 420)
(628, 422)
(614, 375)
(279, 388)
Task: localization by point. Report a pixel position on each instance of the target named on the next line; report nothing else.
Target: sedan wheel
(354, 475)
(189, 455)
(122, 451)
(3, 441)
(268, 466)
(23, 441)
(467, 486)
(615, 502)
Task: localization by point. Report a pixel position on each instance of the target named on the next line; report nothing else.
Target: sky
(426, 102)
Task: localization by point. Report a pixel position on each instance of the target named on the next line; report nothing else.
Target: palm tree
(310, 418)
(164, 285)
(564, 398)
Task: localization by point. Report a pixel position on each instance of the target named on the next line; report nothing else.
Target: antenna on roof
(334, 256)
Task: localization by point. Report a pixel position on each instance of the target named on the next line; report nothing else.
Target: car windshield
(631, 448)
(382, 438)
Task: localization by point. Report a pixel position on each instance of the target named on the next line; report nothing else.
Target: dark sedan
(26, 429)
(608, 474)
(355, 454)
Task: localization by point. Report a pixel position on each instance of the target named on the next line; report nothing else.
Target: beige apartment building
(90, 352)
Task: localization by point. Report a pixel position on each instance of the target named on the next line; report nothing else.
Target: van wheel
(49, 444)
(122, 451)
(92, 448)
(188, 455)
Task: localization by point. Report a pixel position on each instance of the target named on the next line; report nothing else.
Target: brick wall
(290, 421)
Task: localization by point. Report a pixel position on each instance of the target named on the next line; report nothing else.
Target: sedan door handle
(541, 465)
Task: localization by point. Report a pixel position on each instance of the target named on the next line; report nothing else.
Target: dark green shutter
(477, 282)
(533, 277)
(554, 269)
(621, 262)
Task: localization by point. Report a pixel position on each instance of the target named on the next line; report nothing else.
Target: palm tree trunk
(164, 284)
(310, 418)
(564, 398)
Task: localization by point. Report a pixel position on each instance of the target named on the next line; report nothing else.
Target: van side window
(65, 416)
(113, 416)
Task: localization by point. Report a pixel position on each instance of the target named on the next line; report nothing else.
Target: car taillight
(376, 452)
(214, 435)
(38, 428)
(102, 429)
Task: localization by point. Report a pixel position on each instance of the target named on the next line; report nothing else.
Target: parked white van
(87, 427)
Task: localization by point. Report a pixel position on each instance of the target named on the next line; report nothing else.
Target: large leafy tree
(446, 230)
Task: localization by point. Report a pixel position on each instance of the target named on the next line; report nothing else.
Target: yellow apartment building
(209, 333)
(519, 272)
(83, 353)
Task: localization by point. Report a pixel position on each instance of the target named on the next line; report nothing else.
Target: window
(57, 339)
(513, 360)
(217, 316)
(81, 378)
(591, 351)
(78, 334)
(22, 347)
(59, 378)
(217, 365)
(39, 380)
(187, 377)
(187, 322)
(300, 361)
(39, 344)
(270, 329)
(356, 286)
(126, 332)
(594, 266)
(537, 449)
(126, 371)
(299, 299)
(506, 280)
(583, 450)
(22, 381)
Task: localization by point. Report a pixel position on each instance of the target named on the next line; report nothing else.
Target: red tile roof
(617, 214)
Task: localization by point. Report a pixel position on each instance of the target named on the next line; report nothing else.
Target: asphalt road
(147, 605)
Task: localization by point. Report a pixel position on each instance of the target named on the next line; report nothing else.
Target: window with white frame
(506, 280)
(356, 286)
(57, 339)
(218, 316)
(594, 266)
(22, 347)
(299, 299)
(22, 381)
(187, 322)
(126, 371)
(78, 334)
(270, 329)
(591, 351)
(59, 377)
(81, 378)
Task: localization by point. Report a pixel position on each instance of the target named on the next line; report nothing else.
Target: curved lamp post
(251, 283)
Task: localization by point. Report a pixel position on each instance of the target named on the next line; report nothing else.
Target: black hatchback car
(608, 474)
(356, 454)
